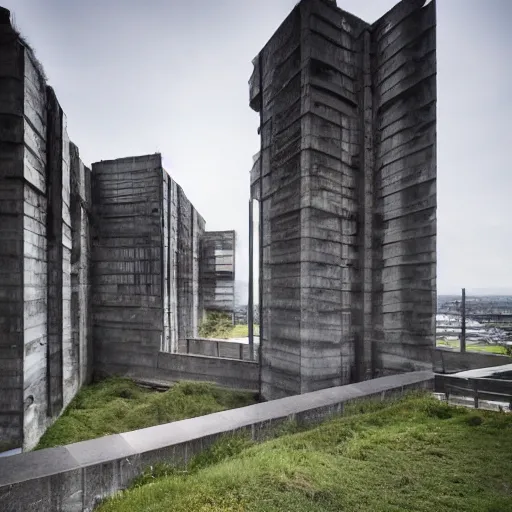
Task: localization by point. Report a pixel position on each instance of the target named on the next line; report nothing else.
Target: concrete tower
(346, 179)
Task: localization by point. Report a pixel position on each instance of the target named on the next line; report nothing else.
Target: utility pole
(463, 322)
(250, 302)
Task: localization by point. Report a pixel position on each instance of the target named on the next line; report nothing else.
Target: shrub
(216, 325)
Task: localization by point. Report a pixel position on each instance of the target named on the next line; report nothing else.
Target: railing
(217, 348)
(497, 390)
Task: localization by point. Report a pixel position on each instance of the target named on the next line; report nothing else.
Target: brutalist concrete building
(346, 179)
(145, 264)
(99, 270)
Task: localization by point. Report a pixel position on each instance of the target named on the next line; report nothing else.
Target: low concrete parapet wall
(216, 348)
(75, 477)
(450, 361)
(230, 373)
(165, 368)
(481, 384)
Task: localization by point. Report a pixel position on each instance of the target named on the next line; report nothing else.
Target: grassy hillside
(418, 454)
(119, 405)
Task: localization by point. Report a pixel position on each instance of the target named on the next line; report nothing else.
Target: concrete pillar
(342, 213)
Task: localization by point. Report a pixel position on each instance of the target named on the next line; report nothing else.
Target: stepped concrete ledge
(481, 373)
(76, 477)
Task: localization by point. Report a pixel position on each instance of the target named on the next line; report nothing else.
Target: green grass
(242, 331)
(491, 349)
(417, 454)
(219, 325)
(119, 405)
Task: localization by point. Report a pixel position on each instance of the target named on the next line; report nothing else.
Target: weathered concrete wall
(50, 362)
(182, 230)
(127, 260)
(77, 476)
(166, 369)
(57, 316)
(145, 264)
(167, 259)
(198, 224)
(346, 183)
(170, 223)
(80, 207)
(405, 181)
(217, 272)
(215, 348)
(450, 361)
(190, 228)
(62, 360)
(231, 373)
(38, 359)
(12, 190)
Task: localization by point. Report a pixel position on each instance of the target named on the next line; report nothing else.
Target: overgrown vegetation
(416, 454)
(216, 325)
(119, 405)
(219, 325)
(491, 349)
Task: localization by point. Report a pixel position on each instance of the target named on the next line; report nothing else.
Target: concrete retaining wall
(449, 361)
(75, 477)
(167, 368)
(231, 373)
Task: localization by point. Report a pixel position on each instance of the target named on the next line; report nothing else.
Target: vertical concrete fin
(54, 254)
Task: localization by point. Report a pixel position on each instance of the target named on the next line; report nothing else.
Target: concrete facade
(346, 180)
(217, 271)
(38, 357)
(146, 243)
(99, 271)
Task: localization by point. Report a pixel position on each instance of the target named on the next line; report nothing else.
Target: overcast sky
(171, 76)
